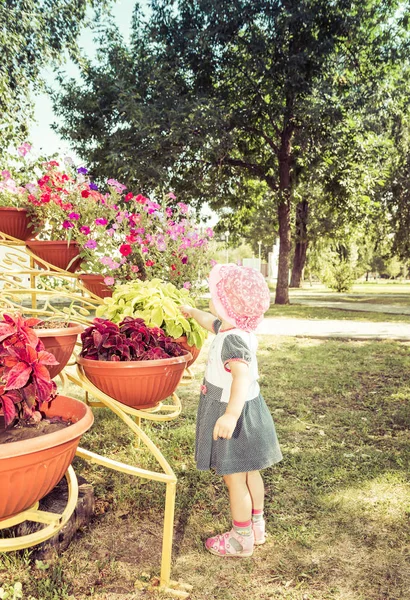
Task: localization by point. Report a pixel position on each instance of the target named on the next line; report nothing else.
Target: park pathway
(354, 306)
(354, 330)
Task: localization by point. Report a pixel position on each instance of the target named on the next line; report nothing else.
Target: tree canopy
(213, 94)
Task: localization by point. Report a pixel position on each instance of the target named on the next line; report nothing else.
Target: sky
(41, 135)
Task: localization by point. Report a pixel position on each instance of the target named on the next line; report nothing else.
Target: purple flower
(82, 171)
(85, 230)
(68, 224)
(184, 260)
(74, 216)
(93, 186)
(91, 244)
(101, 221)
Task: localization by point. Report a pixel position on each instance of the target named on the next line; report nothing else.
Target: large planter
(58, 253)
(15, 222)
(139, 384)
(194, 350)
(30, 469)
(95, 284)
(60, 342)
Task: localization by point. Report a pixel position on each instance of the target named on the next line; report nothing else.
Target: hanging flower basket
(60, 341)
(139, 384)
(15, 222)
(57, 253)
(95, 284)
(183, 342)
(30, 469)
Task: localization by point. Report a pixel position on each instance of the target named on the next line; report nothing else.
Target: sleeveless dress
(254, 444)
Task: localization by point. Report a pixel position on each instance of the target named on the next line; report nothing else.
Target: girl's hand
(224, 427)
(186, 311)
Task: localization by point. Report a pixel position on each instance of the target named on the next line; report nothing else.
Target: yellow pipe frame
(13, 270)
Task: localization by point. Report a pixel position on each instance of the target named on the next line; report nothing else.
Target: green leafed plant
(158, 304)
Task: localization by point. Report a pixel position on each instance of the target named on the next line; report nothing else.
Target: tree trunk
(282, 286)
(299, 258)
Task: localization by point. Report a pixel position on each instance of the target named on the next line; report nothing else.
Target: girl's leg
(240, 540)
(257, 493)
(239, 496)
(256, 489)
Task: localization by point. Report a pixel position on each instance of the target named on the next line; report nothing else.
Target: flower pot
(30, 469)
(139, 384)
(15, 222)
(60, 342)
(183, 342)
(95, 284)
(57, 253)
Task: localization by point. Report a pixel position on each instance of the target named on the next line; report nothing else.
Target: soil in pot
(27, 431)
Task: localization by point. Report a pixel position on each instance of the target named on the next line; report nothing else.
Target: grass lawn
(337, 506)
(392, 293)
(299, 311)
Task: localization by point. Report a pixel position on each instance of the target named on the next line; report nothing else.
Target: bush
(339, 276)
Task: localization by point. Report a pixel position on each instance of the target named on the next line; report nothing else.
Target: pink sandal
(231, 543)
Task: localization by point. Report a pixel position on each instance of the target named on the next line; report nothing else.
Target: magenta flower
(90, 244)
(109, 280)
(209, 232)
(24, 149)
(85, 230)
(169, 211)
(184, 260)
(68, 224)
(183, 208)
(74, 216)
(101, 221)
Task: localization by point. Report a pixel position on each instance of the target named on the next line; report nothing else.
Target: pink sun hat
(240, 295)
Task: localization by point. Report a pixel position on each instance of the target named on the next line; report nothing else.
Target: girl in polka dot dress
(235, 433)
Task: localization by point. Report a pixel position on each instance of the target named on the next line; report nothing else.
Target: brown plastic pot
(30, 469)
(95, 284)
(194, 350)
(15, 222)
(139, 384)
(60, 342)
(57, 253)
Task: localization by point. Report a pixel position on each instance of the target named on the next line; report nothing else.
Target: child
(235, 434)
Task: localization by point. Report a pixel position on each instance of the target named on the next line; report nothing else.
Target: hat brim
(213, 280)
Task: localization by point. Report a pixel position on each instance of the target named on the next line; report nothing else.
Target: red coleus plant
(130, 340)
(24, 378)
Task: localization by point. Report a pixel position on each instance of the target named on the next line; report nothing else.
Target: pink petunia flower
(101, 221)
(90, 244)
(134, 268)
(187, 285)
(85, 230)
(74, 216)
(68, 224)
(109, 280)
(183, 208)
(172, 196)
(24, 149)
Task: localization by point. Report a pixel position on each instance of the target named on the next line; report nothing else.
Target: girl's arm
(225, 425)
(205, 319)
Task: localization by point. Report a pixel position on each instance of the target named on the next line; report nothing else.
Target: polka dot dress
(254, 444)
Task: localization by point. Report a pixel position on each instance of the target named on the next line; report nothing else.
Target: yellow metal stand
(16, 269)
(53, 521)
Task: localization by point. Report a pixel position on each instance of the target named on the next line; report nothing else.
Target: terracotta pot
(56, 252)
(95, 284)
(183, 342)
(139, 384)
(15, 222)
(60, 342)
(30, 469)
